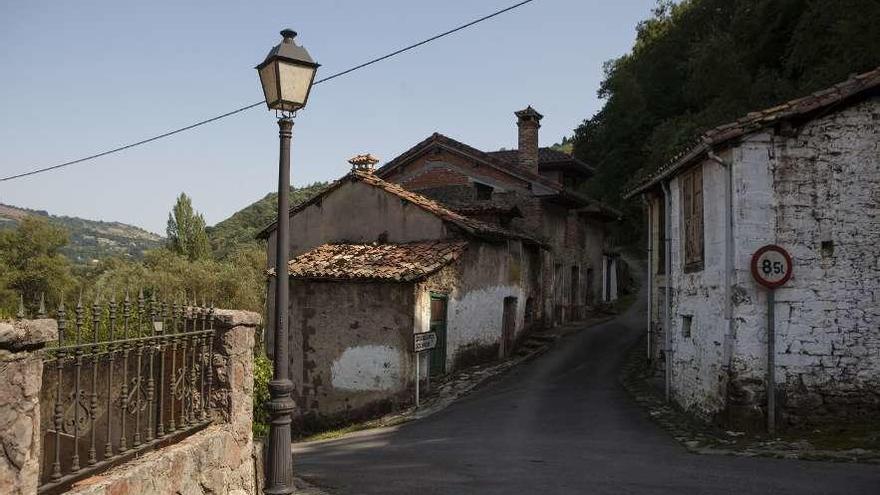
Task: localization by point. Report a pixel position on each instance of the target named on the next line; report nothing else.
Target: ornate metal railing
(123, 378)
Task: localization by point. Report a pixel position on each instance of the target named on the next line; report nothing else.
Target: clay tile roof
(799, 108)
(377, 262)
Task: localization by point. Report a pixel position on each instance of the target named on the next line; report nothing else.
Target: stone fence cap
(27, 334)
(238, 318)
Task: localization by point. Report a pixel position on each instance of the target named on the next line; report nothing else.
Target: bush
(262, 375)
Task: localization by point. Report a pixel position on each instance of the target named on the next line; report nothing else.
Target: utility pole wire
(253, 105)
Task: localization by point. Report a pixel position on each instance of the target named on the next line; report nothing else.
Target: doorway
(508, 325)
(438, 326)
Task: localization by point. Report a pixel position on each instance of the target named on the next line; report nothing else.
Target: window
(692, 216)
(687, 323)
(483, 191)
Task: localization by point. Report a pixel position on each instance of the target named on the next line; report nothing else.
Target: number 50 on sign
(771, 266)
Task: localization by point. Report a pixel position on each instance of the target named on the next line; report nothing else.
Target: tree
(237, 282)
(186, 230)
(697, 64)
(31, 265)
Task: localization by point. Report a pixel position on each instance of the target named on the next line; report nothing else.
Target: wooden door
(438, 325)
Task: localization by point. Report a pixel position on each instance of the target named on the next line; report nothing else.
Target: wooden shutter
(692, 213)
(698, 214)
(686, 207)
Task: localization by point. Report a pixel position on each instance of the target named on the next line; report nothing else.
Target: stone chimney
(363, 163)
(528, 121)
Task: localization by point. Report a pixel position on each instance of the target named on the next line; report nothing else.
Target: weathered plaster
(349, 344)
(367, 368)
(816, 192)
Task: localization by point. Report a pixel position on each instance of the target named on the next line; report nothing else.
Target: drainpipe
(728, 257)
(667, 321)
(648, 209)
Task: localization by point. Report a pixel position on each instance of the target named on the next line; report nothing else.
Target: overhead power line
(252, 105)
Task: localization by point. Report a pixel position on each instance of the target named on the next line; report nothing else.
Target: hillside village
(682, 295)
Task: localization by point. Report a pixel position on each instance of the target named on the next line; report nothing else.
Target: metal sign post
(772, 268)
(422, 342)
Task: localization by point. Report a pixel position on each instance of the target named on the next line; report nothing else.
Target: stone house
(804, 175)
(530, 189)
(447, 238)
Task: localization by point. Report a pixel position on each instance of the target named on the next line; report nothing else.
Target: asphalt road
(561, 424)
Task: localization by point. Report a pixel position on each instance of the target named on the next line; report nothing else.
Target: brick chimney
(528, 121)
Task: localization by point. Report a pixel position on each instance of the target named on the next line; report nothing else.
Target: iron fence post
(279, 473)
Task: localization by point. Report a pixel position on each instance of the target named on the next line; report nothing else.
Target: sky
(81, 77)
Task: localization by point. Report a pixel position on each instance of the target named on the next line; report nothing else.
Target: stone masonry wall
(21, 369)
(216, 460)
(825, 195)
(349, 348)
(815, 190)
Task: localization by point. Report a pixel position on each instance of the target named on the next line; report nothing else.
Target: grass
(845, 436)
(364, 425)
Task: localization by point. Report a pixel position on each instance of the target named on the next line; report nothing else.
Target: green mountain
(89, 239)
(242, 227)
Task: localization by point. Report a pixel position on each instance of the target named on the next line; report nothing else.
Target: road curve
(561, 424)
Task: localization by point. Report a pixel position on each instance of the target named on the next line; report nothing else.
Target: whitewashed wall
(698, 378)
(825, 188)
(821, 184)
(476, 287)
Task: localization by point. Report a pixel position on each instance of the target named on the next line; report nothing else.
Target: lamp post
(287, 75)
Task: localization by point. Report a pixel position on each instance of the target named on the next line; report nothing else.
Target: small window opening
(687, 322)
(827, 248)
(483, 191)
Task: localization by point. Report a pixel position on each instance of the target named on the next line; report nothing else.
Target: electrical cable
(253, 105)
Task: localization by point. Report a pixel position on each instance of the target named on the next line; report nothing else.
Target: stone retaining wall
(21, 371)
(216, 460)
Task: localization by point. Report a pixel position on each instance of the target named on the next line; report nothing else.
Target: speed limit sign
(771, 266)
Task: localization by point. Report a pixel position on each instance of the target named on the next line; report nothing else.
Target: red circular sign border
(754, 266)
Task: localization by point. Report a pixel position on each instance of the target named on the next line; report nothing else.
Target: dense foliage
(262, 376)
(700, 63)
(31, 265)
(237, 282)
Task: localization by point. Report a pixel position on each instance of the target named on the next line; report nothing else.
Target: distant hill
(242, 227)
(89, 239)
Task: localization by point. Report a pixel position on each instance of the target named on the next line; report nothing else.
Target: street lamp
(287, 76)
